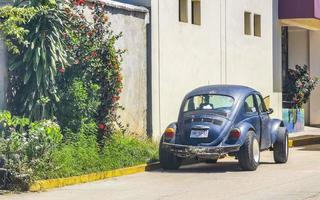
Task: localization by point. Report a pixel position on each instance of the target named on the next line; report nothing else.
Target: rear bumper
(202, 152)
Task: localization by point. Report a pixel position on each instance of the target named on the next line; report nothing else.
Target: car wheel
(211, 161)
(168, 161)
(281, 147)
(249, 154)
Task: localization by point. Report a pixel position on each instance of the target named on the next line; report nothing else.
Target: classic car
(219, 120)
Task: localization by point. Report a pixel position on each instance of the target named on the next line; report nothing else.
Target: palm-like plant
(34, 70)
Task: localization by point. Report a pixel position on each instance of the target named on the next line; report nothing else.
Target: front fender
(274, 125)
(244, 127)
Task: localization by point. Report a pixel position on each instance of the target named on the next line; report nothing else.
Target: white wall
(315, 71)
(250, 58)
(3, 75)
(133, 26)
(298, 42)
(187, 56)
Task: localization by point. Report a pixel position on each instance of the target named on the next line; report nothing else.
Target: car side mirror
(270, 111)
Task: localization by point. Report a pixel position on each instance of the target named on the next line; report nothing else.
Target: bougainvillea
(96, 60)
(299, 86)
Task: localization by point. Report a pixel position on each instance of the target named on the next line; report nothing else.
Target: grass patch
(83, 156)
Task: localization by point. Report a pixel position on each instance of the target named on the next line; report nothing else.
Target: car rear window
(219, 103)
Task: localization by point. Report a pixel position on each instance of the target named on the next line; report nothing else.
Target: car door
(264, 118)
(252, 114)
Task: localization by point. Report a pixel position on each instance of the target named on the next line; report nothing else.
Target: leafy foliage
(26, 145)
(33, 72)
(97, 63)
(300, 85)
(12, 21)
(80, 102)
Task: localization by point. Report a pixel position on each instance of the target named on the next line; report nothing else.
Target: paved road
(299, 179)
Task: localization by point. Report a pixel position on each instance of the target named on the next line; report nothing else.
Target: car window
(249, 106)
(219, 103)
(261, 105)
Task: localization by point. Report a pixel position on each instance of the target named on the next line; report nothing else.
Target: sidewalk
(309, 136)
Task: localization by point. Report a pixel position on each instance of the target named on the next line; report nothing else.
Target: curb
(304, 140)
(43, 185)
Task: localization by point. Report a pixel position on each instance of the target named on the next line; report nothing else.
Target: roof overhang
(300, 13)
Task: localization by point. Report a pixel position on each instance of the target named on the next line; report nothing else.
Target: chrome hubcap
(256, 151)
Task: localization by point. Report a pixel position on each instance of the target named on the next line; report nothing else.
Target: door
(265, 142)
(252, 114)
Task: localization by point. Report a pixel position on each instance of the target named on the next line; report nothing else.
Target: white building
(191, 43)
(201, 42)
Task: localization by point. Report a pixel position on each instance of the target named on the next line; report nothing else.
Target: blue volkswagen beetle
(218, 120)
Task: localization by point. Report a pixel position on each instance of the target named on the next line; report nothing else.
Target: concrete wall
(315, 71)
(186, 56)
(133, 25)
(3, 75)
(146, 3)
(298, 42)
(3, 67)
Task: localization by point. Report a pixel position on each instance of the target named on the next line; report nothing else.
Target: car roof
(235, 91)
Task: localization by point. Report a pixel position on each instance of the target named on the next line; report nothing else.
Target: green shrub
(124, 151)
(76, 158)
(26, 147)
(79, 104)
(83, 156)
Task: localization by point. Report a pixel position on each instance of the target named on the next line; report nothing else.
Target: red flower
(62, 70)
(94, 54)
(102, 126)
(119, 78)
(115, 98)
(79, 2)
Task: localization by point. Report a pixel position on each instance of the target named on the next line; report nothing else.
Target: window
(217, 103)
(183, 10)
(261, 105)
(196, 12)
(257, 25)
(249, 106)
(247, 23)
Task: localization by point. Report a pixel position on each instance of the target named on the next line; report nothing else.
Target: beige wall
(132, 22)
(298, 47)
(315, 71)
(187, 56)
(298, 42)
(3, 75)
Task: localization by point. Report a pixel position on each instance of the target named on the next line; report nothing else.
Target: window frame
(187, 100)
(258, 96)
(247, 23)
(196, 17)
(257, 29)
(182, 18)
(254, 104)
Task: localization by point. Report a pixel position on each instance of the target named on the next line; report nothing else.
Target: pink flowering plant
(299, 85)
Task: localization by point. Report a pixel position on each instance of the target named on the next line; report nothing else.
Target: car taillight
(169, 133)
(235, 134)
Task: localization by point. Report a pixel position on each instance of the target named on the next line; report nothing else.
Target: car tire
(168, 161)
(281, 146)
(249, 154)
(211, 161)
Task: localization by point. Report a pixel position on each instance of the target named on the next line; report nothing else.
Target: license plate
(199, 133)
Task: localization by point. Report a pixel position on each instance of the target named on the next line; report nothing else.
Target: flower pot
(293, 119)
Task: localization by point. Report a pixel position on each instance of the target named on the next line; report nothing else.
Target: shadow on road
(315, 147)
(220, 167)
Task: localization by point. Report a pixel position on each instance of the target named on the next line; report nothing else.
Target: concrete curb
(43, 185)
(304, 140)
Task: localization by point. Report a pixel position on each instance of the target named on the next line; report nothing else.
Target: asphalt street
(298, 179)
